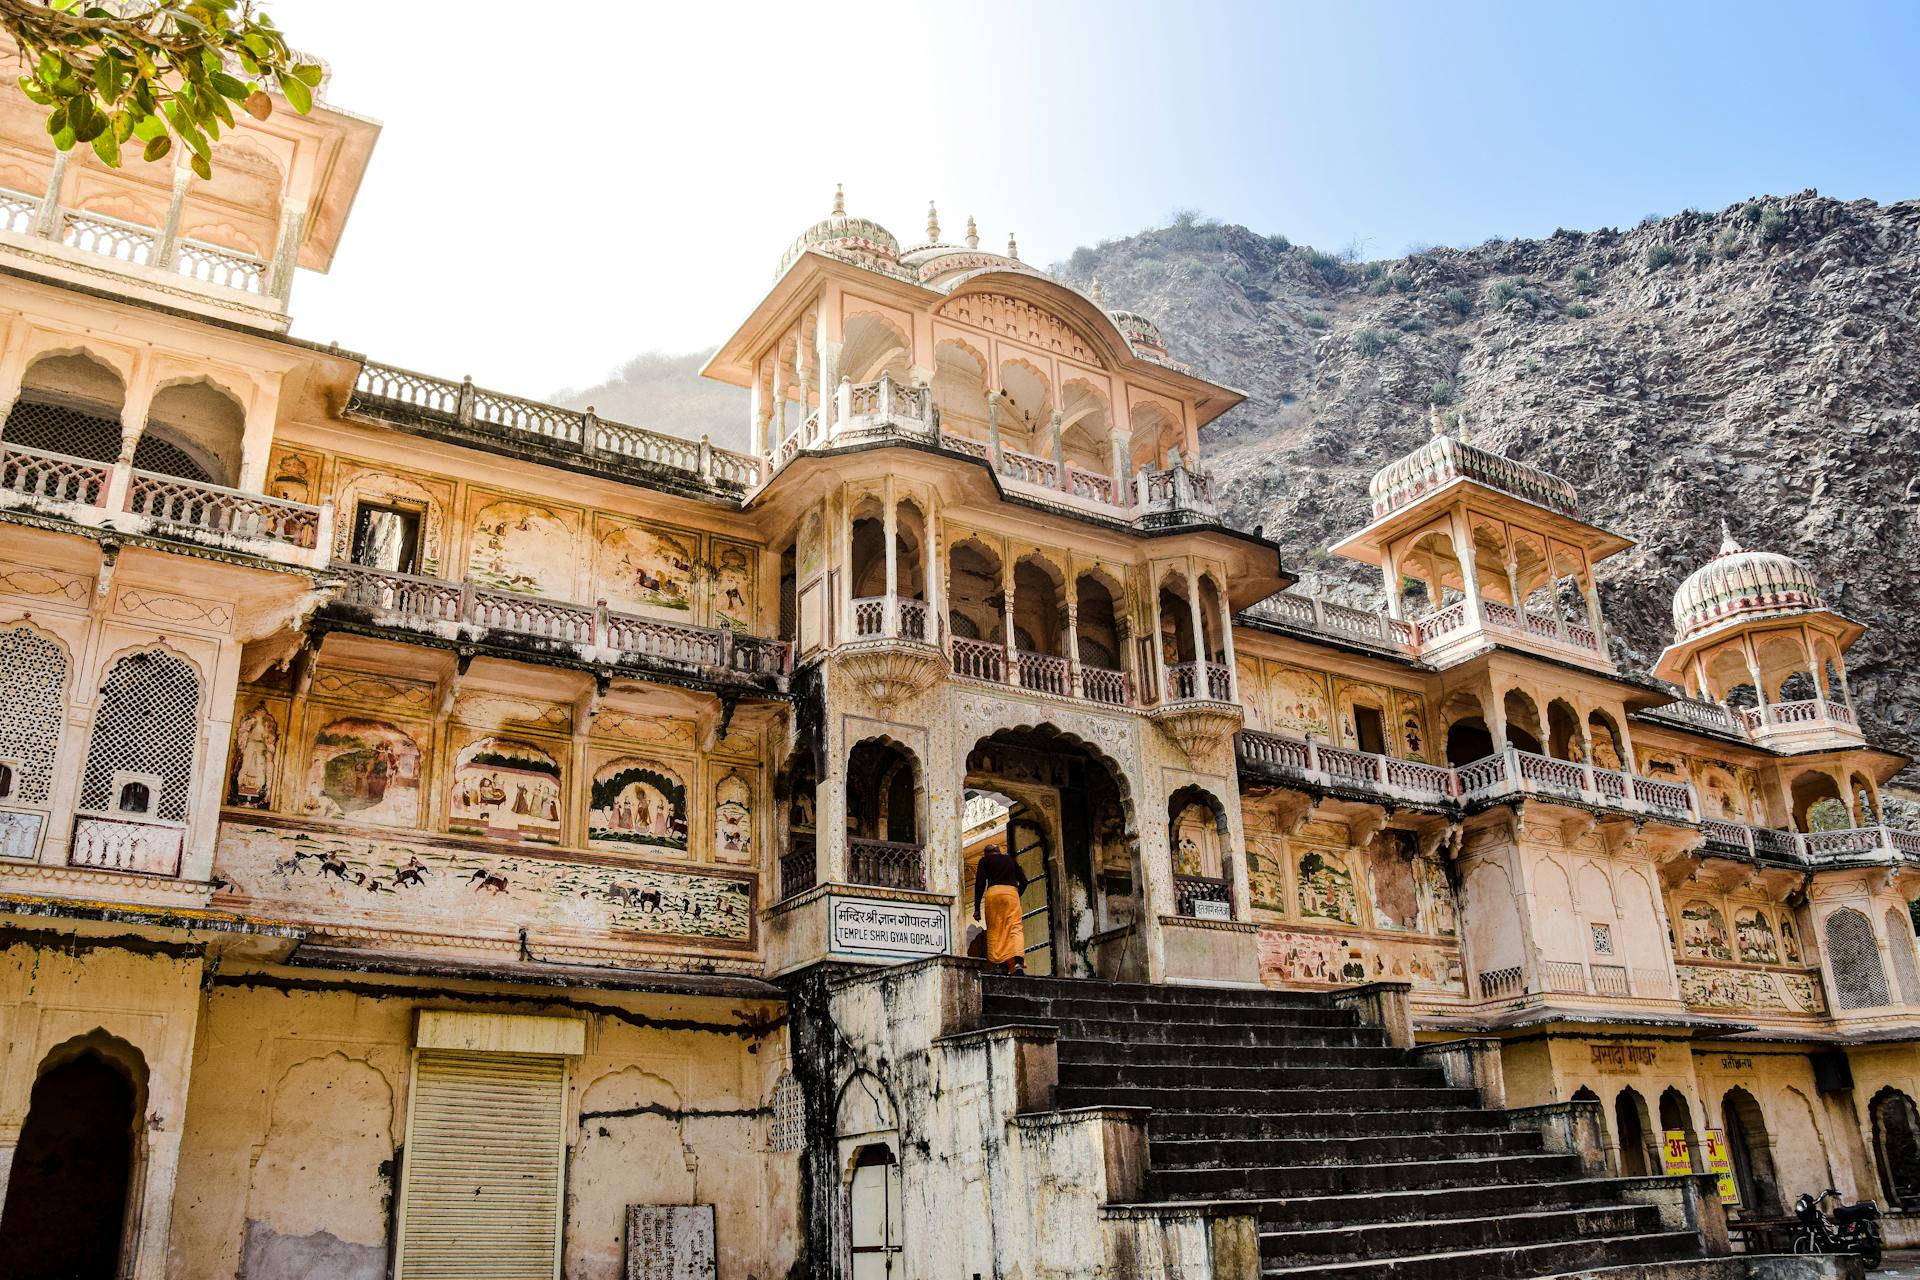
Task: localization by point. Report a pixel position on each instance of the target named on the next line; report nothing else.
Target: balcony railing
(1101, 684)
(1443, 626)
(430, 605)
(979, 659)
(137, 245)
(886, 864)
(1039, 672)
(798, 869)
(383, 391)
(1809, 712)
(1814, 847)
(1043, 672)
(1203, 897)
(1507, 773)
(166, 504)
(1199, 682)
(118, 843)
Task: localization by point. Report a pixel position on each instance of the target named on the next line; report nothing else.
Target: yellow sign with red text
(1719, 1163)
(1678, 1156)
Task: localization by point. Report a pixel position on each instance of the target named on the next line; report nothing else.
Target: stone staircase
(1357, 1159)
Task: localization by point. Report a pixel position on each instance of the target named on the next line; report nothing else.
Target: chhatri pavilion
(448, 834)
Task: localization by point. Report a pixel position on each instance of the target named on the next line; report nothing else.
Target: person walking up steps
(998, 882)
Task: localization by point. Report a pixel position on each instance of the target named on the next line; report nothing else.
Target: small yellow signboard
(1679, 1157)
(1720, 1164)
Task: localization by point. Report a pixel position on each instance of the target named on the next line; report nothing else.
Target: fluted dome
(1141, 333)
(858, 240)
(1739, 583)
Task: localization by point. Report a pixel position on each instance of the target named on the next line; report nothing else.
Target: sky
(547, 201)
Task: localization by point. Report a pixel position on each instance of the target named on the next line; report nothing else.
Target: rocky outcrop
(1759, 364)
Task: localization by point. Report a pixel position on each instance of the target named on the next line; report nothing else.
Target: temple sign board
(670, 1242)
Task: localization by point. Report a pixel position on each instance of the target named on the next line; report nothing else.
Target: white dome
(1738, 583)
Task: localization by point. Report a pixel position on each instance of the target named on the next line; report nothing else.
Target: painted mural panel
(1267, 874)
(1789, 941)
(1703, 932)
(733, 818)
(364, 770)
(429, 885)
(1754, 990)
(638, 803)
(256, 758)
(1291, 957)
(1754, 934)
(1327, 889)
(505, 789)
(649, 569)
(521, 546)
(1300, 704)
(733, 585)
(1439, 913)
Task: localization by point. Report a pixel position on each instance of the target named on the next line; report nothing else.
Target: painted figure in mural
(367, 770)
(636, 802)
(1327, 889)
(1755, 936)
(1789, 944)
(1704, 932)
(256, 746)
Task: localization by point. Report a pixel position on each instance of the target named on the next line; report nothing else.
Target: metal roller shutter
(481, 1188)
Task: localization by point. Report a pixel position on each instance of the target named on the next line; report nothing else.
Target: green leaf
(201, 167)
(157, 148)
(228, 87)
(107, 147)
(147, 126)
(257, 44)
(308, 74)
(34, 92)
(57, 120)
(297, 92)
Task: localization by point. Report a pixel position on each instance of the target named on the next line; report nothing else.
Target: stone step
(1196, 1098)
(1312, 1212)
(1277, 1054)
(1187, 1077)
(1023, 1008)
(1152, 993)
(1202, 1153)
(1204, 1033)
(1229, 1182)
(1176, 1125)
(1448, 1235)
(1511, 1262)
(1744, 1266)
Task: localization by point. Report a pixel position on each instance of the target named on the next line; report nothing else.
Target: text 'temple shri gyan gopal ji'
(443, 834)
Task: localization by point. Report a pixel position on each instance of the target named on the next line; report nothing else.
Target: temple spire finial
(839, 200)
(1433, 418)
(933, 224)
(1013, 247)
(1728, 543)
(1466, 432)
(973, 234)
(1099, 298)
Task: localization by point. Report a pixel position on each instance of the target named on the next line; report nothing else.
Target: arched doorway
(874, 1217)
(1630, 1125)
(1896, 1147)
(66, 1206)
(1069, 824)
(1677, 1117)
(1751, 1152)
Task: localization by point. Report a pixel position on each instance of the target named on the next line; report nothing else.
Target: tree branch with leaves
(150, 72)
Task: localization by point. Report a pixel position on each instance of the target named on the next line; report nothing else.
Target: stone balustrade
(385, 392)
(116, 842)
(134, 244)
(1038, 672)
(1876, 843)
(1442, 628)
(113, 494)
(886, 864)
(596, 633)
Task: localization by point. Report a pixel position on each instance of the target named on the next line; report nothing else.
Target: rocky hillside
(1759, 364)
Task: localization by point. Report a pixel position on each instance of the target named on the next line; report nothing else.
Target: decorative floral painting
(256, 750)
(1755, 936)
(732, 585)
(1703, 933)
(1326, 889)
(520, 547)
(505, 790)
(1300, 703)
(733, 819)
(366, 771)
(1410, 711)
(638, 803)
(649, 570)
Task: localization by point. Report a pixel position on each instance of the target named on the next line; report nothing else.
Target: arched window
(884, 826)
(1855, 959)
(147, 726)
(1630, 1123)
(33, 671)
(1523, 722)
(1906, 970)
(1563, 732)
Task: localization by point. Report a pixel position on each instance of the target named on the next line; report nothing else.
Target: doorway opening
(66, 1206)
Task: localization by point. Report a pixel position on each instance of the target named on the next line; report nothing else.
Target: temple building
(448, 834)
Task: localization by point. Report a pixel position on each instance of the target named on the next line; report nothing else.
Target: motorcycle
(1849, 1228)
